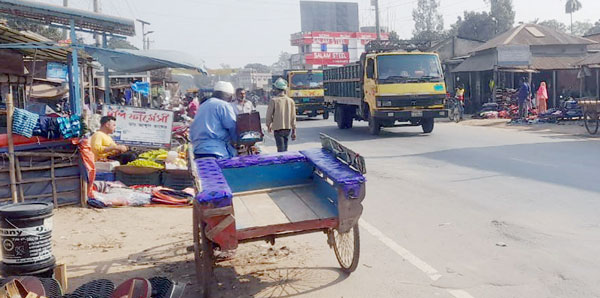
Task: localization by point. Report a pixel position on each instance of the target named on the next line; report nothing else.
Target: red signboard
(338, 38)
(327, 58)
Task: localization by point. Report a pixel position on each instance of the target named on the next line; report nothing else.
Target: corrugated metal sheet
(477, 63)
(521, 36)
(590, 60)
(8, 35)
(549, 63)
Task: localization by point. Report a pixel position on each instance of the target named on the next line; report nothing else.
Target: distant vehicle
(306, 89)
(391, 83)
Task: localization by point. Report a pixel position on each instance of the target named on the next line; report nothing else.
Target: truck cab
(306, 89)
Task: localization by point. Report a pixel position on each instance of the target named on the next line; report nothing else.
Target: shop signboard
(141, 127)
(328, 58)
(514, 55)
(56, 71)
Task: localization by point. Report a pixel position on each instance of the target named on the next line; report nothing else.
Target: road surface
(463, 212)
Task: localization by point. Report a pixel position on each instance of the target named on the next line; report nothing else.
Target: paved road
(470, 212)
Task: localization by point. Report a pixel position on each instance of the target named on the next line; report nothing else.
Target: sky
(238, 32)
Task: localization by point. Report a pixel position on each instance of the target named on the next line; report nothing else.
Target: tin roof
(12, 36)
(533, 35)
(49, 14)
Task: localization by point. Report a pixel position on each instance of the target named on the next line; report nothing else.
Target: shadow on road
(574, 164)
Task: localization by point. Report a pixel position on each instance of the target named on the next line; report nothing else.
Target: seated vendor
(104, 147)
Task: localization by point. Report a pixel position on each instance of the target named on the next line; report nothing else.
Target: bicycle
(455, 110)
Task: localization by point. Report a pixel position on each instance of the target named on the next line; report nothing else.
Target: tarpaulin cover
(336, 170)
(261, 160)
(215, 189)
(141, 87)
(137, 61)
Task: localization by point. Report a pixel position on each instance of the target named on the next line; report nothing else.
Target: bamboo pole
(53, 176)
(19, 179)
(11, 146)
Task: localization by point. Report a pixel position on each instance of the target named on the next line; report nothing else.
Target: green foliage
(118, 43)
(475, 25)
(554, 24)
(595, 29)
(429, 24)
(503, 13)
(581, 28)
(393, 36)
(572, 6)
(258, 67)
(45, 31)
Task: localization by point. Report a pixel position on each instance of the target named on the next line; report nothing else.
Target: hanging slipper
(52, 287)
(13, 289)
(133, 288)
(100, 288)
(161, 287)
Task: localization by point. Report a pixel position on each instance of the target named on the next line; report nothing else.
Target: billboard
(329, 16)
(327, 58)
(56, 70)
(514, 55)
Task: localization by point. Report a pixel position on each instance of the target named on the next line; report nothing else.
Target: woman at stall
(542, 99)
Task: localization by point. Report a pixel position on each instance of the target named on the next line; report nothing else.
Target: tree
(502, 14)
(258, 67)
(284, 62)
(119, 43)
(45, 31)
(595, 29)
(393, 36)
(571, 7)
(554, 24)
(429, 24)
(475, 25)
(581, 28)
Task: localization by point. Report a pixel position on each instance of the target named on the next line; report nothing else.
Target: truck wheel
(374, 126)
(340, 117)
(326, 115)
(349, 118)
(427, 124)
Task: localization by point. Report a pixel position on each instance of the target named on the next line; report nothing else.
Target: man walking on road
(242, 104)
(214, 127)
(281, 116)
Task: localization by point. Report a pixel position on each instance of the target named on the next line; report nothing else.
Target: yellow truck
(391, 85)
(306, 89)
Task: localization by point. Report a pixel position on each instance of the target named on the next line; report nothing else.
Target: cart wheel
(591, 121)
(347, 248)
(203, 255)
(456, 112)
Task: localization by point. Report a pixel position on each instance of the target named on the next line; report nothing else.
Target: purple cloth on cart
(215, 189)
(336, 170)
(261, 160)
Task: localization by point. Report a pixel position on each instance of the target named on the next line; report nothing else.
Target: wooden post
(554, 88)
(19, 179)
(53, 182)
(11, 146)
(597, 83)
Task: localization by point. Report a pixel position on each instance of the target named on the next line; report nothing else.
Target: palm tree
(571, 7)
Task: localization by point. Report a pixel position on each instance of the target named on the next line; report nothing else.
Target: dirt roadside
(121, 243)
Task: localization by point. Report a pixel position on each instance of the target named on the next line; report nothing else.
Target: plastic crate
(177, 179)
(130, 175)
(105, 176)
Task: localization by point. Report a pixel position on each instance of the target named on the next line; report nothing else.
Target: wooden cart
(591, 114)
(279, 195)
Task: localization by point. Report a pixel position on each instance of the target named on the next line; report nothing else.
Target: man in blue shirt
(523, 97)
(214, 126)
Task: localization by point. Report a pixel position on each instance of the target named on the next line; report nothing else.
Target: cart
(591, 114)
(265, 197)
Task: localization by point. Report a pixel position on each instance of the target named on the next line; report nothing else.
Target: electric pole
(377, 28)
(145, 44)
(96, 10)
(64, 32)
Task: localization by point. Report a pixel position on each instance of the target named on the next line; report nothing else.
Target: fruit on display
(140, 162)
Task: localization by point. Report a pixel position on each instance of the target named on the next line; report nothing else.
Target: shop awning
(137, 60)
(477, 63)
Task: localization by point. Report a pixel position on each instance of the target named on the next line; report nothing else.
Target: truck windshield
(307, 81)
(408, 68)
